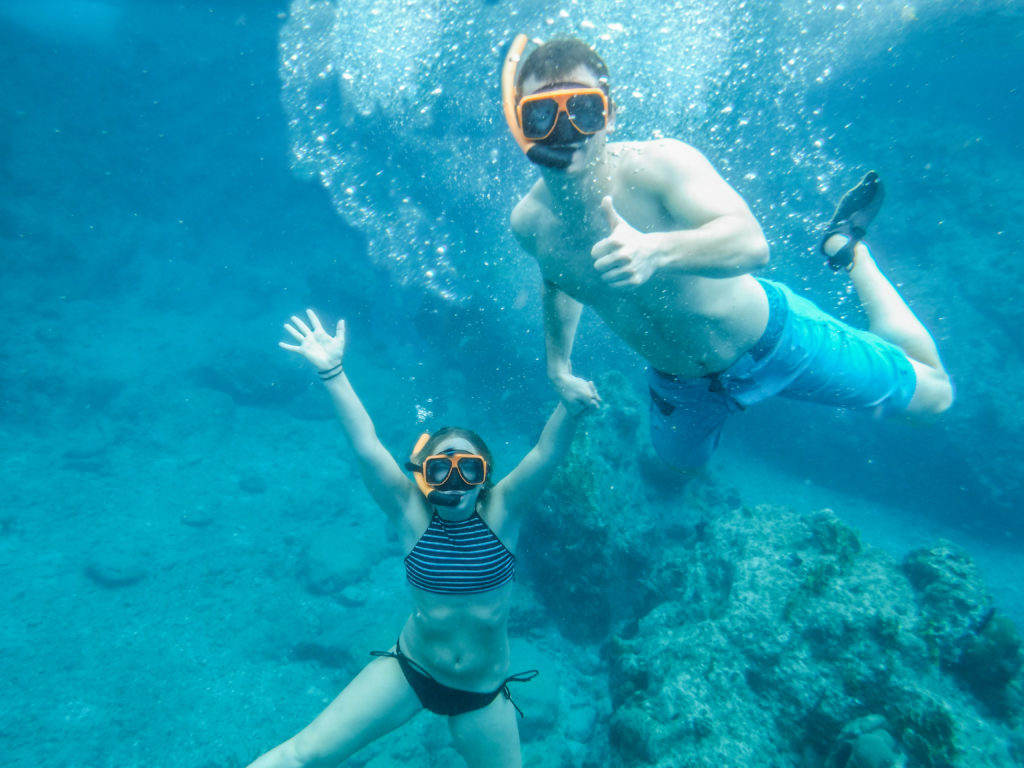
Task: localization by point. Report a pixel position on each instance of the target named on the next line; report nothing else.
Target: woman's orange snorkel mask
(416, 468)
(432, 473)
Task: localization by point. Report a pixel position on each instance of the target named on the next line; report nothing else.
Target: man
(662, 248)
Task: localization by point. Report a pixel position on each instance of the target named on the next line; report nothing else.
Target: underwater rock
(759, 636)
(572, 531)
(336, 565)
(353, 596)
(115, 570)
(324, 654)
(817, 652)
(951, 595)
(865, 743)
(254, 484)
(88, 447)
(253, 378)
(991, 659)
(196, 518)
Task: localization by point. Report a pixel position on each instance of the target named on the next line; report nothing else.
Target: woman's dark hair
(558, 58)
(445, 433)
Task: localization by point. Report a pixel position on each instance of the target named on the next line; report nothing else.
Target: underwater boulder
(823, 651)
(991, 658)
(115, 569)
(952, 596)
(592, 572)
(252, 377)
(866, 743)
(336, 564)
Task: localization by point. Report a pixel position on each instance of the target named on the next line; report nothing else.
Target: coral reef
(578, 528)
(759, 635)
(820, 651)
(866, 743)
(970, 638)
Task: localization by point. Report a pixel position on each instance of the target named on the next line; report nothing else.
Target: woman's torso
(461, 586)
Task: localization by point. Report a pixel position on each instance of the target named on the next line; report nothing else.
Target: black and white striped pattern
(459, 557)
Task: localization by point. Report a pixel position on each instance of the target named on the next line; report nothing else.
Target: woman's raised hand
(315, 344)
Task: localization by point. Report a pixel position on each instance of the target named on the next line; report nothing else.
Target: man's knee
(943, 399)
(933, 394)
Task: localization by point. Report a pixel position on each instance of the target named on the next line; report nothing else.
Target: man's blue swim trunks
(803, 354)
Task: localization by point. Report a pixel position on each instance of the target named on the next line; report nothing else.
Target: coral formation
(576, 529)
(969, 637)
(818, 653)
(866, 742)
(761, 636)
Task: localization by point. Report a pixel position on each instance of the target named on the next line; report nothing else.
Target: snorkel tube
(508, 91)
(434, 496)
(550, 157)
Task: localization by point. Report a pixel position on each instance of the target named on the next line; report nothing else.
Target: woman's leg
(377, 701)
(488, 737)
(890, 318)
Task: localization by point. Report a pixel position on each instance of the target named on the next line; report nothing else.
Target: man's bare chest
(565, 259)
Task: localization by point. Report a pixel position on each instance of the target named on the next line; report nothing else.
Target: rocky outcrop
(782, 640)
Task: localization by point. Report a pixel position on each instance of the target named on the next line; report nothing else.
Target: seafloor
(190, 569)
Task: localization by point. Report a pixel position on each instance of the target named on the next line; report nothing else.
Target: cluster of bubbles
(394, 105)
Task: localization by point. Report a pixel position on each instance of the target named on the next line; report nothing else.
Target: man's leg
(891, 319)
(687, 417)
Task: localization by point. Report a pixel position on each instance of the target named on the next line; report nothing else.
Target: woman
(459, 531)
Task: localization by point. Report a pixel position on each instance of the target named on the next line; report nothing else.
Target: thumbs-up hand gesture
(624, 258)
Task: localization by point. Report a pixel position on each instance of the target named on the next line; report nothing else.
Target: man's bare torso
(680, 323)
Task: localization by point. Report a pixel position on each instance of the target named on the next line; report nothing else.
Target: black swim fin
(855, 211)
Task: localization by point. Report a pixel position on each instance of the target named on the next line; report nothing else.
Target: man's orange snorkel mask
(550, 125)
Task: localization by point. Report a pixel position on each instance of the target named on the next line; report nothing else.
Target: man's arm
(561, 318)
(726, 246)
(717, 236)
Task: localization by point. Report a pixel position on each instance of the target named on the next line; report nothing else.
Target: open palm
(315, 344)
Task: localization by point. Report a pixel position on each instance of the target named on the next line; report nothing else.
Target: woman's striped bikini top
(459, 557)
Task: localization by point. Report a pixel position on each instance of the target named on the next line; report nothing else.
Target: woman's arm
(524, 484)
(382, 476)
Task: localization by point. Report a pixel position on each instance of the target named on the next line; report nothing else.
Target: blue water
(177, 179)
